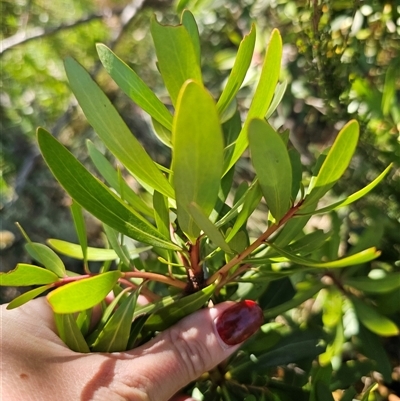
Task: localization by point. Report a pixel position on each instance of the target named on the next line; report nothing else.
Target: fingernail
(237, 323)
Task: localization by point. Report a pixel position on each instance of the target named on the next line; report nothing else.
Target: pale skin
(36, 364)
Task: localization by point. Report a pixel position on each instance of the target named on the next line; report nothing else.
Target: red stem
(259, 241)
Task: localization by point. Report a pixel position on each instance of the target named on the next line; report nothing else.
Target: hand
(37, 365)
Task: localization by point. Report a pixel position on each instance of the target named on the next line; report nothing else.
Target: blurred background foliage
(341, 61)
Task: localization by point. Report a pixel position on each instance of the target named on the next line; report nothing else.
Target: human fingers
(182, 353)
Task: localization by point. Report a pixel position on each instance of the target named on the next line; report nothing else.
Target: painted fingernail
(239, 322)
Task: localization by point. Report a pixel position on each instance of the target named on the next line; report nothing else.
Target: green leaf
(352, 198)
(198, 154)
(362, 257)
(83, 294)
(161, 213)
(335, 163)
(27, 296)
(69, 332)
(133, 86)
(383, 285)
(47, 257)
(111, 176)
(251, 199)
(177, 57)
(115, 243)
(162, 133)
(83, 320)
(366, 394)
(93, 254)
(112, 130)
(305, 245)
(292, 348)
(188, 21)
(332, 308)
(79, 223)
(297, 171)
(239, 70)
(263, 93)
(349, 394)
(24, 275)
(169, 315)
(94, 196)
(372, 347)
(115, 334)
(136, 328)
(271, 161)
(299, 298)
(278, 96)
(373, 320)
(389, 90)
(322, 392)
(208, 227)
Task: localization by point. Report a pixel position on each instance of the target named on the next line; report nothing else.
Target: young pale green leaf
(161, 213)
(69, 332)
(112, 130)
(169, 315)
(27, 296)
(177, 57)
(335, 163)
(188, 21)
(83, 294)
(361, 257)
(24, 275)
(373, 320)
(115, 334)
(251, 200)
(162, 133)
(367, 393)
(271, 161)
(93, 254)
(332, 308)
(375, 286)
(352, 198)
(133, 86)
(198, 154)
(263, 94)
(115, 243)
(111, 176)
(208, 227)
(278, 96)
(239, 70)
(94, 196)
(47, 257)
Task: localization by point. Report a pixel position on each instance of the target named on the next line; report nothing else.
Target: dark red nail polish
(239, 322)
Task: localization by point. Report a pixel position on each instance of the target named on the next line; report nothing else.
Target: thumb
(193, 346)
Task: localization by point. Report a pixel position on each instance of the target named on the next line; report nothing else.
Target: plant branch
(156, 277)
(259, 241)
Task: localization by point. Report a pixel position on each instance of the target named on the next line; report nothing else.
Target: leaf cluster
(195, 222)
